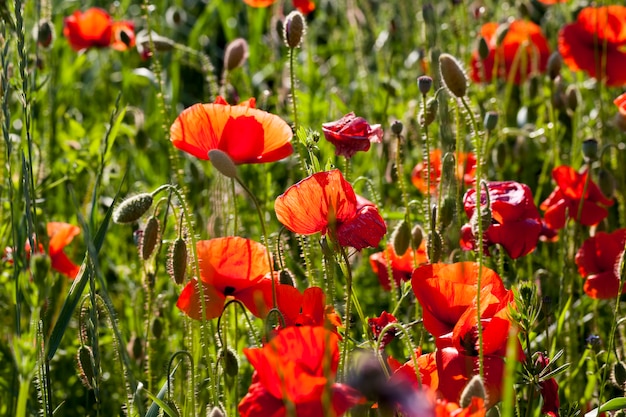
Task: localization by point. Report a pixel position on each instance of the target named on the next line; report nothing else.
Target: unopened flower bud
(606, 182)
(424, 83)
(236, 54)
(491, 120)
(150, 237)
(590, 150)
(428, 114)
(446, 211)
(295, 29)
(401, 238)
(501, 33)
(230, 362)
(157, 327)
(86, 366)
(483, 48)
(396, 127)
(474, 388)
(428, 12)
(571, 98)
(177, 261)
(485, 217)
(286, 278)
(131, 209)
(434, 247)
(555, 63)
(417, 236)
(453, 75)
(44, 33)
(222, 162)
(618, 374)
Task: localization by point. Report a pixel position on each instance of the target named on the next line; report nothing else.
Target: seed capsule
(131, 209)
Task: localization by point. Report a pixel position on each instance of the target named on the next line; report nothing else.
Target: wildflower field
(312, 208)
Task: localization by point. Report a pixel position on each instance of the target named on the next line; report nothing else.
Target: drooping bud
(491, 120)
(474, 388)
(446, 211)
(618, 374)
(230, 362)
(555, 63)
(222, 162)
(294, 30)
(44, 33)
(396, 127)
(424, 83)
(177, 261)
(150, 237)
(590, 150)
(427, 115)
(434, 247)
(86, 366)
(606, 182)
(131, 209)
(453, 75)
(417, 236)
(483, 48)
(401, 238)
(236, 54)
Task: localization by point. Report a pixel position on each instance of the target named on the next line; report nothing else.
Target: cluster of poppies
(94, 28)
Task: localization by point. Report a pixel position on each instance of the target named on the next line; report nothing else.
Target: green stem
(343, 362)
(292, 80)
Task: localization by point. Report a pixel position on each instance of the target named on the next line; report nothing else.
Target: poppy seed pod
(453, 75)
(222, 162)
(396, 127)
(424, 83)
(474, 388)
(236, 54)
(590, 150)
(131, 209)
(294, 30)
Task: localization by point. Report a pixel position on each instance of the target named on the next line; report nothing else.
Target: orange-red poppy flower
(229, 267)
(326, 203)
(523, 50)
(465, 171)
(351, 134)
(401, 266)
(306, 309)
(598, 262)
(476, 408)
(515, 220)
(567, 196)
(446, 291)
(246, 134)
(298, 365)
(551, 2)
(304, 6)
(597, 39)
(95, 28)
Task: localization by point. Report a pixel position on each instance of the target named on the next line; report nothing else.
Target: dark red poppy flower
(524, 51)
(465, 171)
(298, 365)
(566, 198)
(582, 43)
(401, 266)
(515, 220)
(446, 291)
(325, 203)
(246, 134)
(95, 29)
(304, 6)
(598, 262)
(229, 267)
(351, 134)
(377, 324)
(549, 389)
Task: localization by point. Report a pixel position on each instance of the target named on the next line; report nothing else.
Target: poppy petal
(60, 235)
(61, 263)
(366, 229)
(89, 29)
(189, 301)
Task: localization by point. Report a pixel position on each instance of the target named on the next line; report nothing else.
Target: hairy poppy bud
(606, 182)
(295, 29)
(424, 83)
(230, 362)
(483, 48)
(446, 211)
(86, 366)
(150, 237)
(427, 116)
(44, 33)
(571, 98)
(177, 261)
(474, 388)
(590, 150)
(555, 63)
(434, 247)
(401, 238)
(236, 54)
(222, 162)
(131, 209)
(417, 236)
(491, 120)
(453, 75)
(157, 327)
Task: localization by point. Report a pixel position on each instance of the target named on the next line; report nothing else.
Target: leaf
(610, 405)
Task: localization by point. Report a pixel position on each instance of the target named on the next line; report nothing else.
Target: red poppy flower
(377, 324)
(325, 203)
(521, 34)
(298, 365)
(351, 134)
(598, 262)
(566, 198)
(229, 267)
(246, 134)
(476, 408)
(95, 28)
(465, 171)
(549, 389)
(620, 117)
(446, 291)
(582, 43)
(304, 6)
(551, 2)
(306, 309)
(401, 266)
(515, 221)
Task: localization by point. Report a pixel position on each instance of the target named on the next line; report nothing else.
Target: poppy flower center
(229, 290)
(242, 139)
